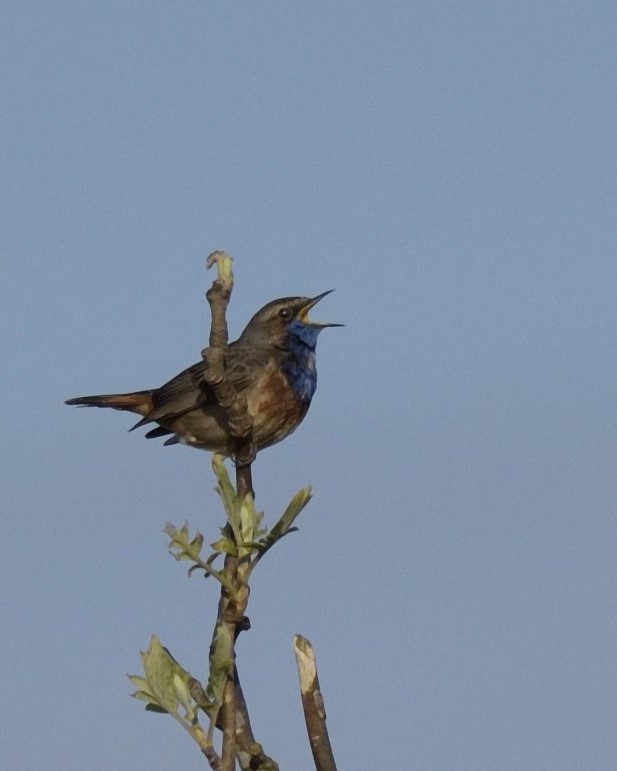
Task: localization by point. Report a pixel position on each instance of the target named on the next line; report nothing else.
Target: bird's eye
(285, 313)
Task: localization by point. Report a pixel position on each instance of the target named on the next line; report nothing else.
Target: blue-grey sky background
(451, 169)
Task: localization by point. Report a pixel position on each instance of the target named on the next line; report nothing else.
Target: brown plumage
(272, 363)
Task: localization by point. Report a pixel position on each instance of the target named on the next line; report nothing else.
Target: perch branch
(234, 404)
(238, 739)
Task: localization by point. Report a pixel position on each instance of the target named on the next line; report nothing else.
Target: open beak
(303, 314)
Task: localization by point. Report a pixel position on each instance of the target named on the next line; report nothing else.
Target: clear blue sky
(451, 169)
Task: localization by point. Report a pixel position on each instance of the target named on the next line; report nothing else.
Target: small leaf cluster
(168, 688)
(244, 534)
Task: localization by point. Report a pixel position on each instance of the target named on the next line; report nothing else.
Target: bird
(271, 364)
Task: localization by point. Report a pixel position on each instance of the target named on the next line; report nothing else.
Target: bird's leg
(244, 478)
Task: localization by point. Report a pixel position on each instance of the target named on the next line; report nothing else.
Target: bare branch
(313, 705)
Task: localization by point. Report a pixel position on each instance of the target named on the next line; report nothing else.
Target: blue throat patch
(300, 366)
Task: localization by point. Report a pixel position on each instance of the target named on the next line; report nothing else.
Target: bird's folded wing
(188, 390)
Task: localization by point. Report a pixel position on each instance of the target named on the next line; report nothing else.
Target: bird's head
(276, 321)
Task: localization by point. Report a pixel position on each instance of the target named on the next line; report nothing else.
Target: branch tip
(313, 705)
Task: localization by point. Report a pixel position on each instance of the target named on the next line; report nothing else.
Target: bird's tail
(139, 402)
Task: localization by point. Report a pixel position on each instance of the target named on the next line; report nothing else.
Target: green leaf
(182, 691)
(180, 555)
(171, 530)
(294, 507)
(225, 546)
(138, 681)
(197, 543)
(252, 545)
(285, 524)
(159, 668)
(142, 696)
(260, 528)
(156, 708)
(166, 682)
(224, 488)
(248, 518)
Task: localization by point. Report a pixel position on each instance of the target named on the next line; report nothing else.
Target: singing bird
(272, 364)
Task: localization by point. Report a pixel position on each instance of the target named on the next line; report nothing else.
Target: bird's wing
(188, 391)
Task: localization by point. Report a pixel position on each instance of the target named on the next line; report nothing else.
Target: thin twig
(213, 758)
(313, 705)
